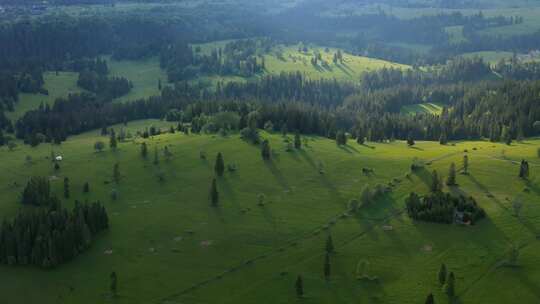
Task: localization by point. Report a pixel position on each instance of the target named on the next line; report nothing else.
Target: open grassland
(168, 245)
(288, 59)
(60, 85)
(144, 74)
(427, 108)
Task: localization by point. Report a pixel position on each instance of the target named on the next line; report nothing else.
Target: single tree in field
(329, 245)
(524, 169)
(297, 140)
(449, 287)
(116, 173)
(284, 129)
(442, 274)
(360, 137)
(113, 142)
(144, 150)
(156, 156)
(410, 140)
(114, 283)
(430, 299)
(98, 146)
(451, 179)
(66, 187)
(341, 138)
(465, 164)
(265, 150)
(436, 184)
(214, 194)
(443, 140)
(159, 84)
(219, 167)
(86, 187)
(299, 286)
(327, 266)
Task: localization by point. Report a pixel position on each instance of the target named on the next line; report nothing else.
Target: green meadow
(60, 85)
(168, 245)
(422, 108)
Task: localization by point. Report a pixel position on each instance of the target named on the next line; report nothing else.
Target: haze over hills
(277, 151)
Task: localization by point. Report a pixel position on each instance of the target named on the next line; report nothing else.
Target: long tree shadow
(344, 70)
(277, 174)
(529, 226)
(424, 175)
(326, 183)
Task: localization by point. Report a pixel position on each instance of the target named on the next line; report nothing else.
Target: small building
(59, 158)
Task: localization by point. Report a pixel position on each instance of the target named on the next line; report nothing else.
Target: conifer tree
(327, 266)
(66, 187)
(265, 150)
(219, 167)
(442, 274)
(144, 150)
(443, 140)
(430, 299)
(465, 164)
(299, 286)
(113, 143)
(297, 140)
(116, 173)
(449, 287)
(214, 194)
(329, 245)
(451, 180)
(156, 156)
(86, 187)
(435, 182)
(114, 283)
(410, 140)
(284, 129)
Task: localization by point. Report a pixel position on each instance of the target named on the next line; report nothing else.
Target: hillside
(169, 245)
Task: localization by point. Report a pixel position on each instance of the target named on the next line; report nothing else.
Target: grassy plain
(170, 246)
(428, 108)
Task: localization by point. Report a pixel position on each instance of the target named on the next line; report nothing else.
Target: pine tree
(66, 187)
(410, 140)
(265, 150)
(329, 245)
(86, 187)
(465, 164)
(430, 299)
(116, 173)
(443, 140)
(360, 137)
(524, 169)
(156, 156)
(327, 266)
(451, 180)
(284, 129)
(299, 286)
(144, 150)
(112, 140)
(442, 274)
(435, 182)
(214, 194)
(449, 287)
(219, 167)
(114, 283)
(297, 140)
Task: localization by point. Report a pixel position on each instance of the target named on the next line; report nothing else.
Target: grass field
(60, 85)
(144, 74)
(428, 108)
(288, 59)
(169, 246)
